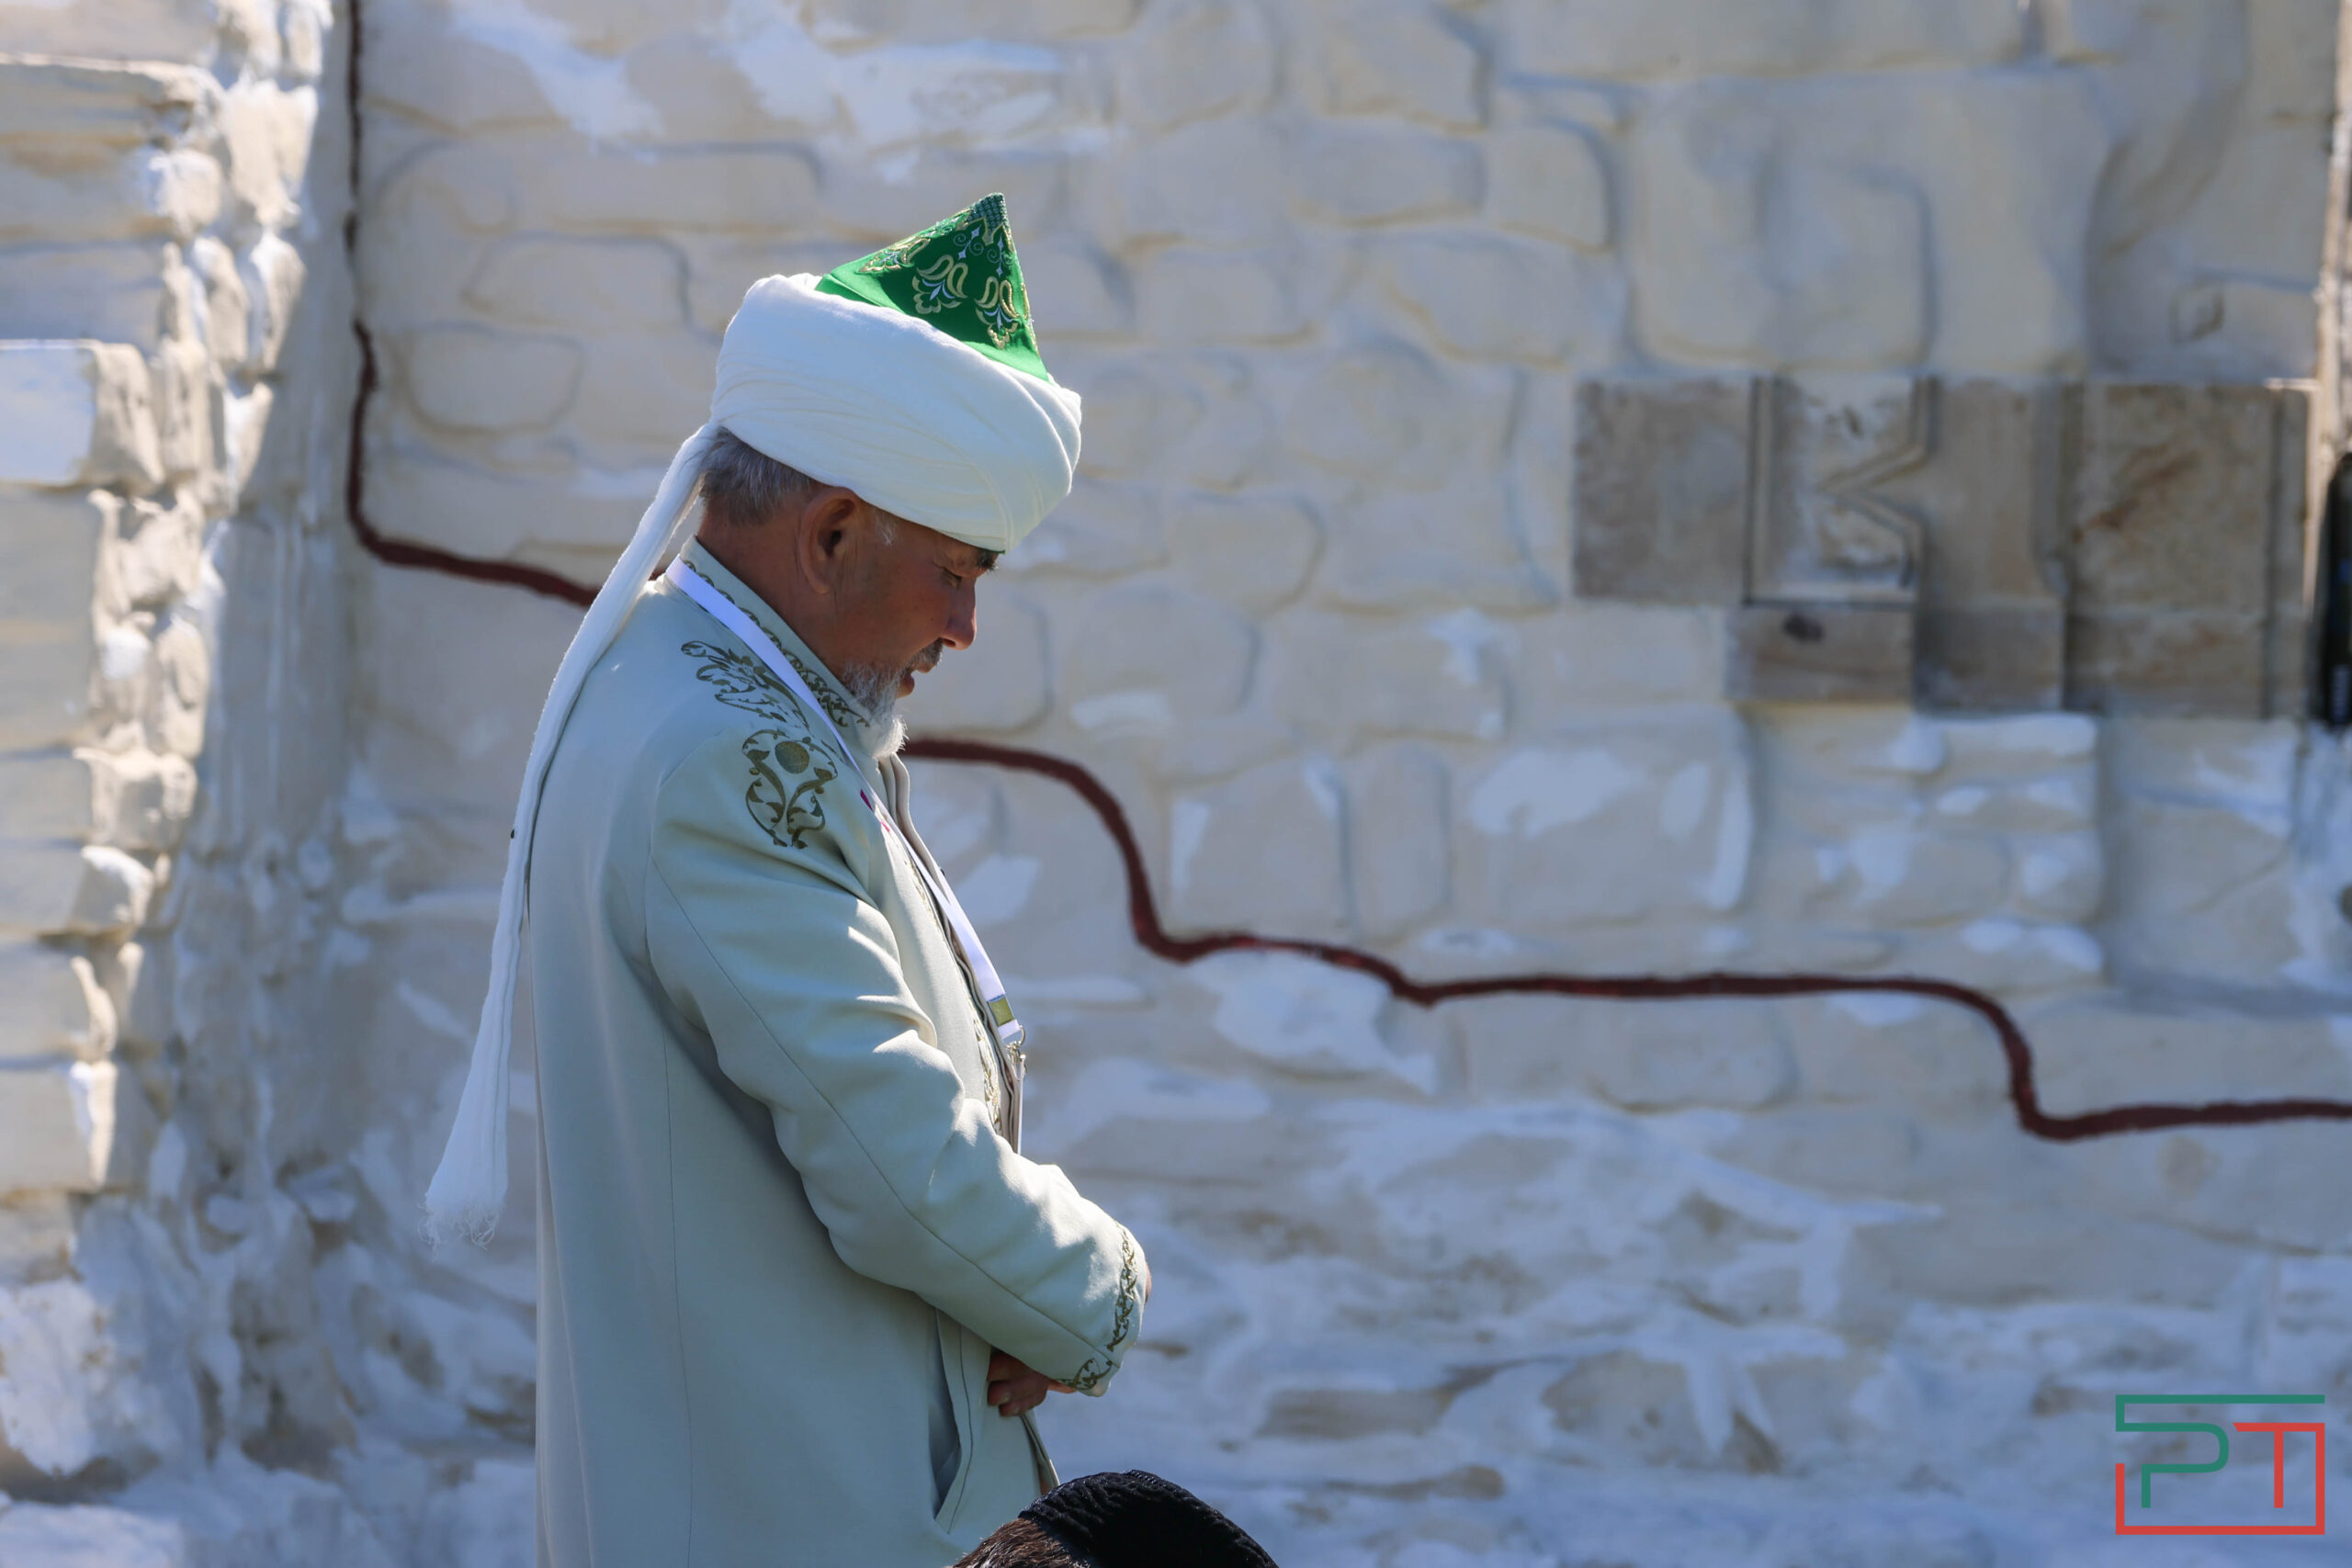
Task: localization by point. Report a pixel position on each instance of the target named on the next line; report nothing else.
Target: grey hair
(742, 486)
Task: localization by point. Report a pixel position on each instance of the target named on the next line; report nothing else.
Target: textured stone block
(1396, 57)
(635, 392)
(1661, 491)
(52, 189)
(2167, 661)
(2187, 516)
(1733, 242)
(46, 668)
(113, 293)
(1218, 297)
(1501, 299)
(1991, 659)
(49, 794)
(1711, 1054)
(1263, 850)
(274, 275)
(1383, 413)
(2174, 498)
(141, 800)
(591, 286)
(120, 106)
(2290, 663)
(58, 1126)
(1197, 59)
(48, 886)
(471, 379)
(1824, 527)
(1551, 181)
(175, 710)
(49, 552)
(1116, 671)
(1820, 653)
(52, 1005)
(1280, 539)
(1603, 824)
(1164, 193)
(1346, 678)
(265, 133)
(607, 191)
(185, 418)
(77, 413)
(1082, 291)
(2060, 879)
(1386, 176)
(1633, 40)
(1456, 549)
(1992, 592)
(1400, 857)
(152, 555)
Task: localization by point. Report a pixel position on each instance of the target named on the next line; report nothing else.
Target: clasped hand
(1014, 1389)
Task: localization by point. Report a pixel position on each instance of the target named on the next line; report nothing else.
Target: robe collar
(845, 710)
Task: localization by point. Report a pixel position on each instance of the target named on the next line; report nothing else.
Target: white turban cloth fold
(917, 423)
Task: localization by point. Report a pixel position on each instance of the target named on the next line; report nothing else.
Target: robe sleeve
(761, 933)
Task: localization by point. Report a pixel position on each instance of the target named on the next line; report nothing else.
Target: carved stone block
(1820, 653)
(1993, 593)
(2167, 661)
(1828, 529)
(2173, 497)
(2183, 500)
(1661, 490)
(2099, 545)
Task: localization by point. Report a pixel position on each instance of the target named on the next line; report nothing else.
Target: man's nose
(963, 622)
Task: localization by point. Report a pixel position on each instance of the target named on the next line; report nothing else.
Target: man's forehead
(968, 557)
(946, 549)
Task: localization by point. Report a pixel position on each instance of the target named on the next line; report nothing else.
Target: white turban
(922, 425)
(917, 423)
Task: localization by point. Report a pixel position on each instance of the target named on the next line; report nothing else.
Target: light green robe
(779, 1227)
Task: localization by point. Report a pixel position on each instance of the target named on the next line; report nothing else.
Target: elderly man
(799, 1290)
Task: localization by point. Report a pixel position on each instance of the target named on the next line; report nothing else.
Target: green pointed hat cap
(959, 276)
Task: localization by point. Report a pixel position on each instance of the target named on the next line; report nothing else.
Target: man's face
(908, 601)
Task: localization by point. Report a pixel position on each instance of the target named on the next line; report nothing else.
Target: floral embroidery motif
(741, 682)
(786, 812)
(941, 260)
(787, 815)
(1088, 1378)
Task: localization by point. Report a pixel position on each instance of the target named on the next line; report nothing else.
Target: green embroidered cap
(959, 276)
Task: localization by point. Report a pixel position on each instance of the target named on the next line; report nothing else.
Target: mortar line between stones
(1143, 909)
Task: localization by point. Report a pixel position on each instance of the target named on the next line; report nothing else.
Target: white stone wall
(1523, 1280)
(1526, 1280)
(181, 1084)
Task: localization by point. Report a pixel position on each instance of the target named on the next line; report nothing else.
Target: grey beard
(876, 692)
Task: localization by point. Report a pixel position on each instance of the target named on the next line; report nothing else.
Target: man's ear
(825, 523)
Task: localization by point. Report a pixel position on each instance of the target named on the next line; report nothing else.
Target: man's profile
(799, 1290)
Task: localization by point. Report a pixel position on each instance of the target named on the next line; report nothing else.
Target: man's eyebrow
(986, 560)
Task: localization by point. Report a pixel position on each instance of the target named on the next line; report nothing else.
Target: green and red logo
(2279, 1431)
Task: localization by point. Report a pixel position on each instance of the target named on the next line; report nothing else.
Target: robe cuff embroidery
(1090, 1377)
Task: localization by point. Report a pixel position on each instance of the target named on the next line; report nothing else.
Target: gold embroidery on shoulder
(785, 811)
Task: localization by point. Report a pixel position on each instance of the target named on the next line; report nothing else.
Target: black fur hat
(1134, 1520)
